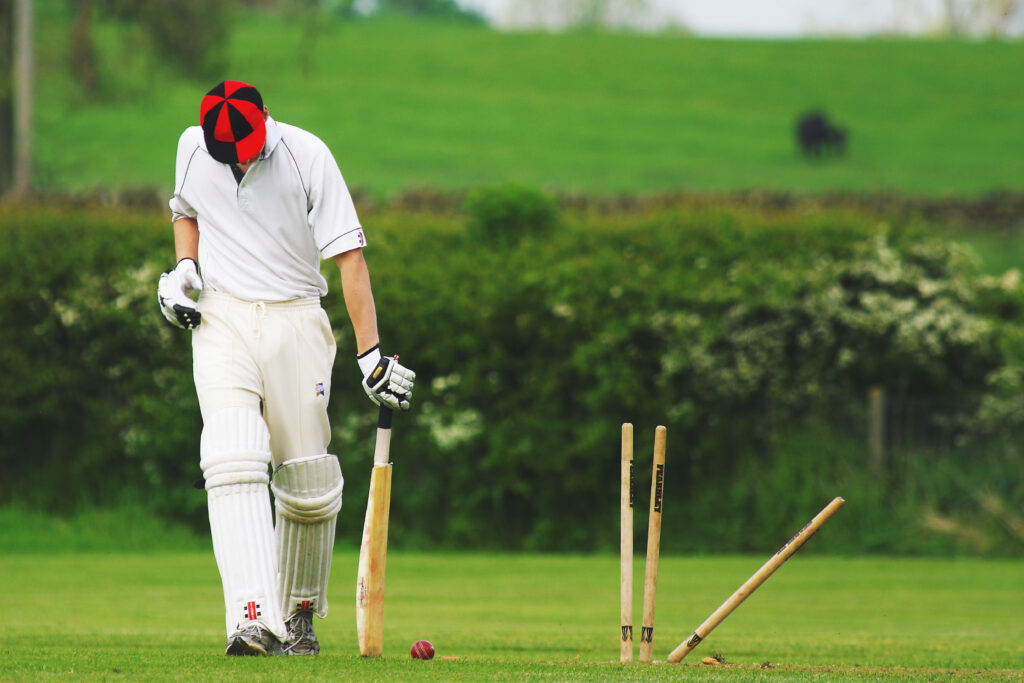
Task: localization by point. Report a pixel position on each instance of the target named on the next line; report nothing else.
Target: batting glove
(385, 381)
(172, 293)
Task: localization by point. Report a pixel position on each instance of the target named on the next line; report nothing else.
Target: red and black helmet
(231, 115)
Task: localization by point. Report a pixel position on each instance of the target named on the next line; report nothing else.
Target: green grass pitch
(155, 617)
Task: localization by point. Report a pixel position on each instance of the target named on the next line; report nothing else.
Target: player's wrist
(369, 359)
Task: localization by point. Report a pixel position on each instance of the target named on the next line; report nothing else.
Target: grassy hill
(415, 105)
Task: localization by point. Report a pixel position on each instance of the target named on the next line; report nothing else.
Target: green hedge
(740, 330)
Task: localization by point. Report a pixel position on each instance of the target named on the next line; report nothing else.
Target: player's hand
(385, 381)
(172, 292)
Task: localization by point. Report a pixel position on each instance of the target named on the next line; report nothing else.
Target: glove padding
(385, 381)
(172, 293)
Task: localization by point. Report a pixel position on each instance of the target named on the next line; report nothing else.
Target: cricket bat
(373, 552)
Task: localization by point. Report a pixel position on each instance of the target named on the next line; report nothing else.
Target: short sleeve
(180, 208)
(188, 146)
(332, 215)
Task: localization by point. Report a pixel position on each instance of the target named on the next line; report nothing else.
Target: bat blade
(373, 551)
(373, 556)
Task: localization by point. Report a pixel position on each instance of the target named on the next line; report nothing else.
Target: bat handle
(382, 450)
(384, 418)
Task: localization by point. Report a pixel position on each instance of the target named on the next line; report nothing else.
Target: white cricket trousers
(272, 357)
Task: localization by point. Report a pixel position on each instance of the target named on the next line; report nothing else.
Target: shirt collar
(273, 137)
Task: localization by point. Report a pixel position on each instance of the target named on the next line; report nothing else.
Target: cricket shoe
(301, 637)
(253, 640)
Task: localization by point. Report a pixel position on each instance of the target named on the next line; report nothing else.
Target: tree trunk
(953, 24)
(22, 79)
(83, 54)
(6, 95)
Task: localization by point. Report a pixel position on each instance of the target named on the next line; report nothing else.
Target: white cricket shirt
(262, 239)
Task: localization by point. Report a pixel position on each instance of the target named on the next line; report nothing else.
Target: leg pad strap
(309, 490)
(235, 448)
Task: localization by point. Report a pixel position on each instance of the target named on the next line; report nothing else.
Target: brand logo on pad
(252, 610)
(319, 388)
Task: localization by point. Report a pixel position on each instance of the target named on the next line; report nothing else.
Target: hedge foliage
(751, 335)
(501, 215)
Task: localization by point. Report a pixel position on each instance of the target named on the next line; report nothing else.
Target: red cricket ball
(422, 649)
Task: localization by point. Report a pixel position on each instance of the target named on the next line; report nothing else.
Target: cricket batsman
(257, 204)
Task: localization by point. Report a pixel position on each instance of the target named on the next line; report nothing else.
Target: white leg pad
(235, 455)
(307, 494)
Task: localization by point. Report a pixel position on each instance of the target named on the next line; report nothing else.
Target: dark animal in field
(818, 136)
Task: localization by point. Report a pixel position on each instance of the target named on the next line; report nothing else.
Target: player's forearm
(355, 286)
(186, 239)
